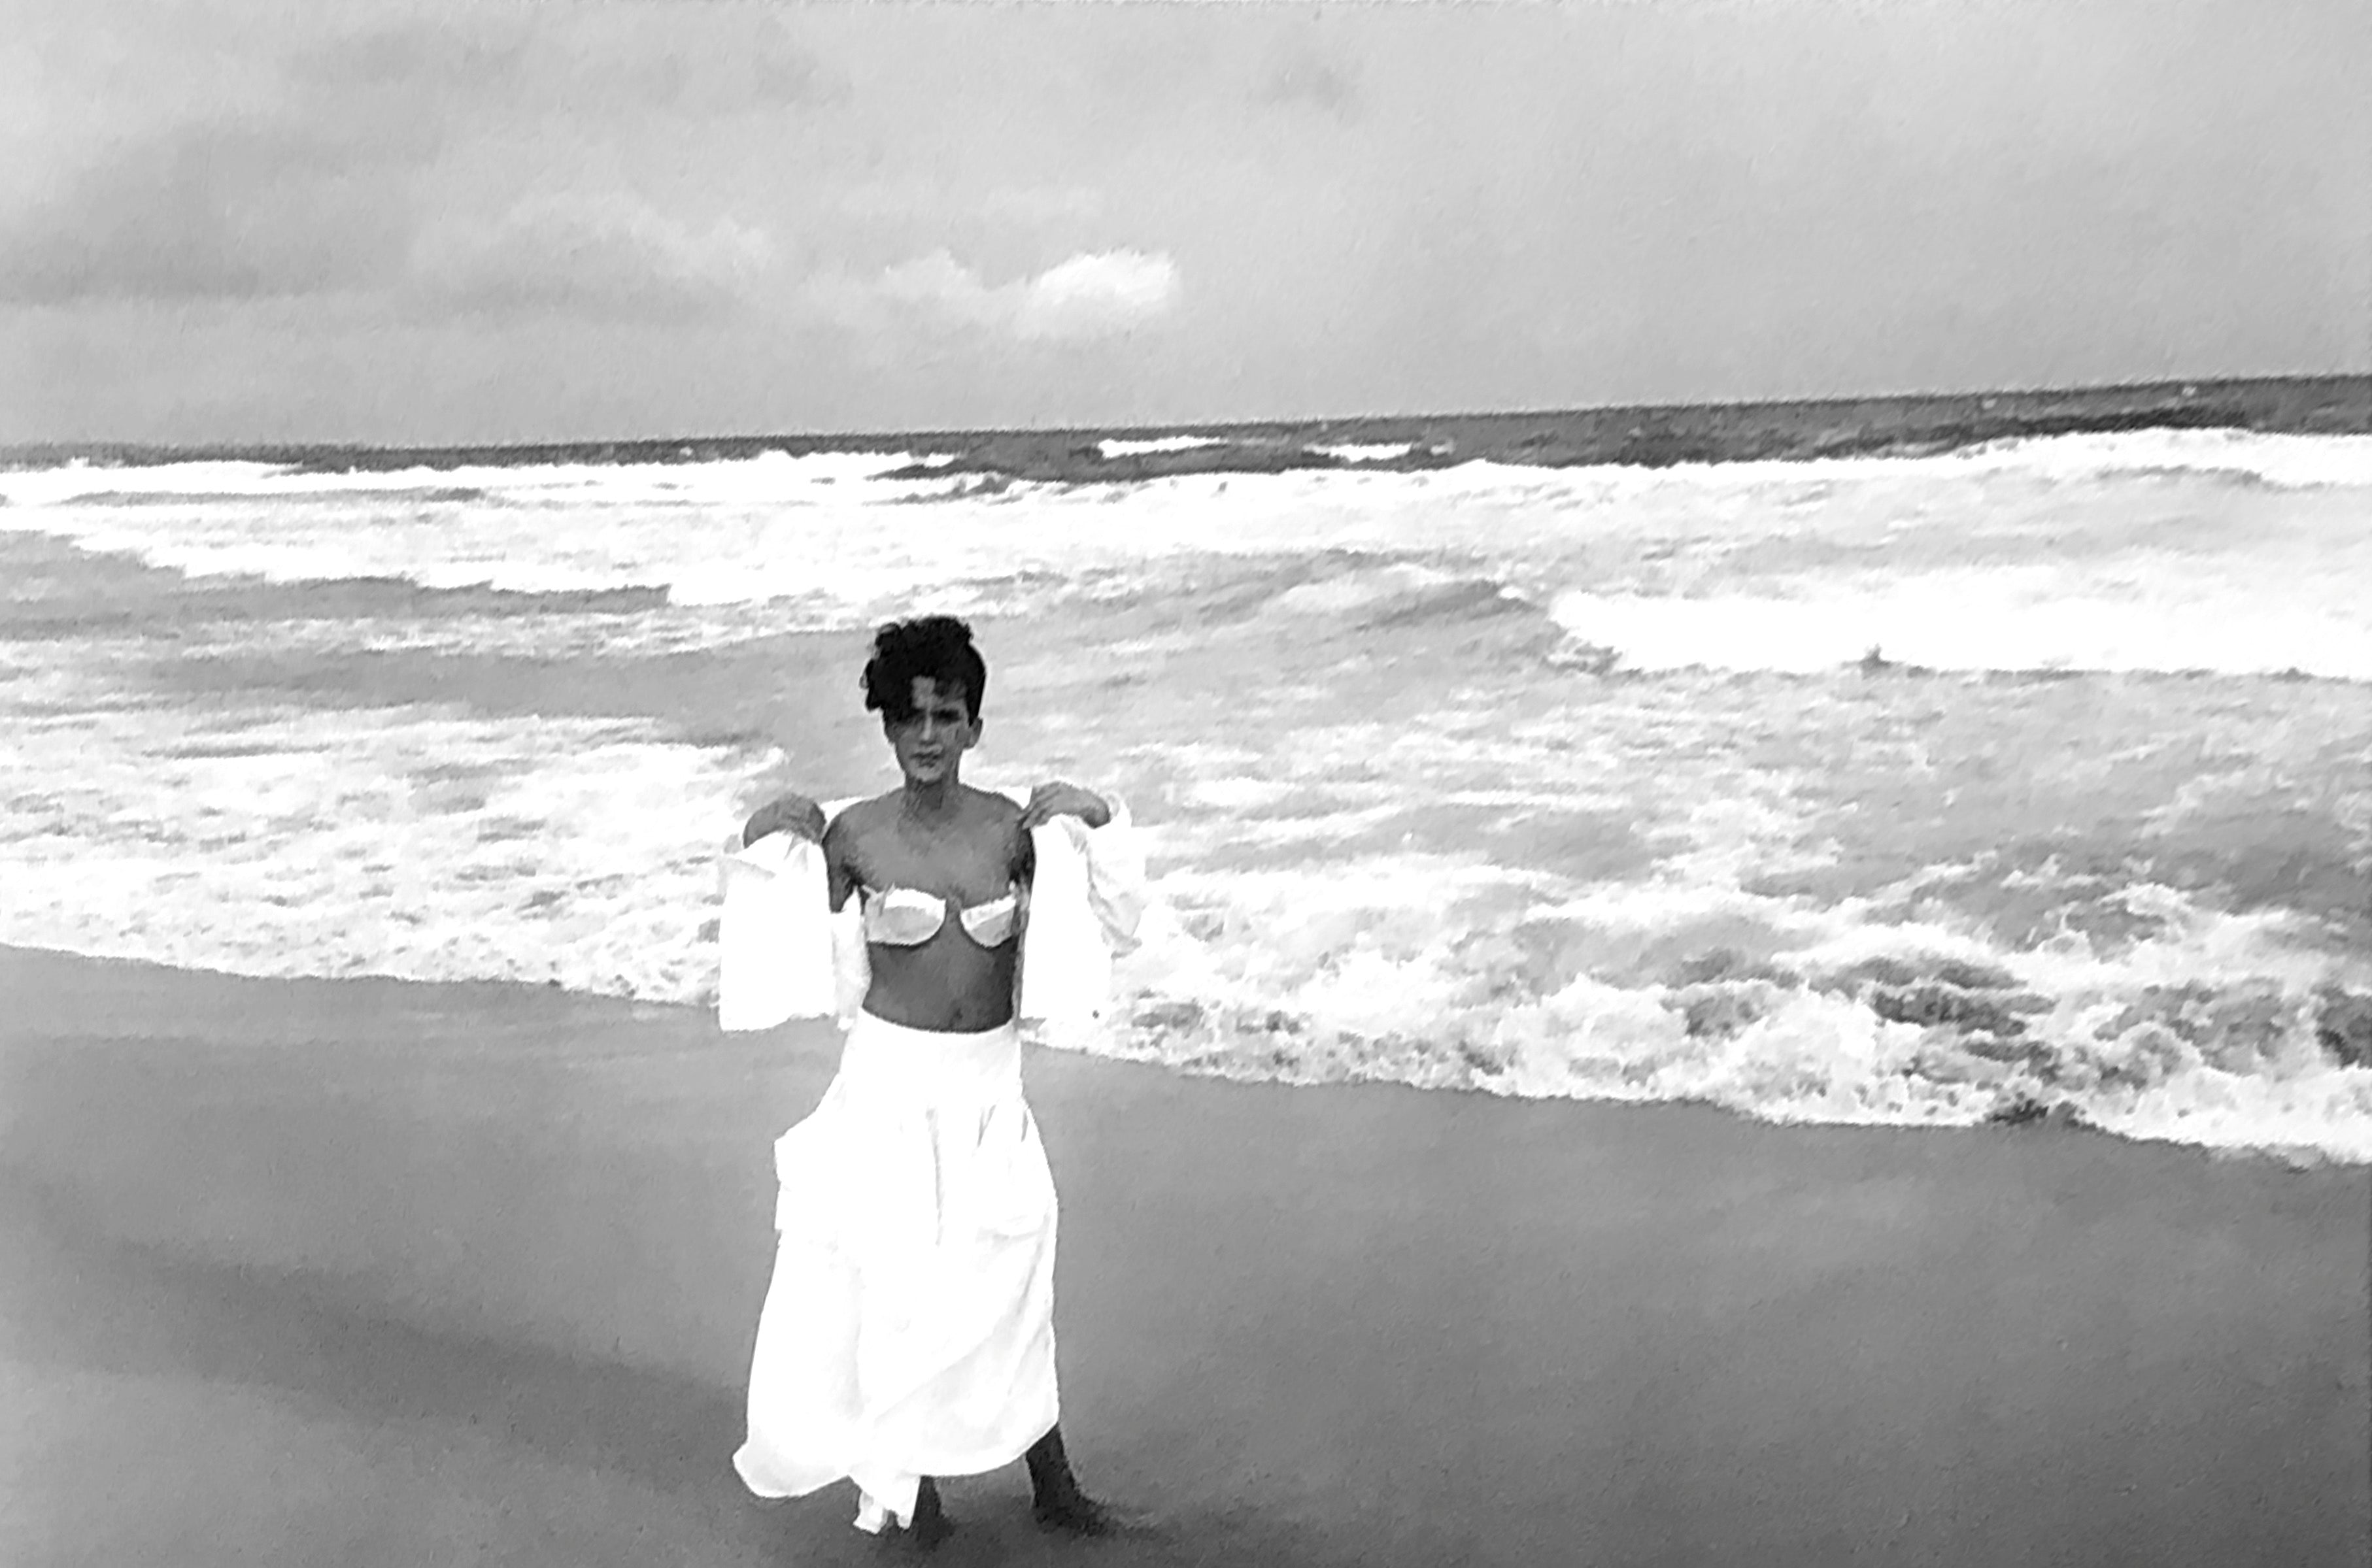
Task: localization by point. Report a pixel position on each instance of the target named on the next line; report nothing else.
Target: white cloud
(941, 288)
(1092, 294)
(1099, 295)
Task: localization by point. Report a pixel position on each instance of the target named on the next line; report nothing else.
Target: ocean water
(1907, 790)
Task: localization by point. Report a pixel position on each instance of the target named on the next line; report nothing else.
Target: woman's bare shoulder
(857, 821)
(1000, 820)
(994, 807)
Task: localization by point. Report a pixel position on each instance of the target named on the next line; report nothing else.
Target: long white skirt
(910, 1327)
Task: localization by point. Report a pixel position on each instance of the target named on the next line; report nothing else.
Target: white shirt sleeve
(1115, 860)
(782, 954)
(773, 937)
(1085, 901)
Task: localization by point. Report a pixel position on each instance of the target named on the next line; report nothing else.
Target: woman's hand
(1048, 801)
(792, 814)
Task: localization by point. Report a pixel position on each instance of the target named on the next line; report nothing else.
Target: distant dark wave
(441, 493)
(1646, 436)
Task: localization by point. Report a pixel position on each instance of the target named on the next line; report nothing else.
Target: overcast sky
(366, 221)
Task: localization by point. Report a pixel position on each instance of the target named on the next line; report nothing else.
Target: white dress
(908, 1326)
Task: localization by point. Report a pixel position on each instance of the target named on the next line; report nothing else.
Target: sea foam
(1404, 823)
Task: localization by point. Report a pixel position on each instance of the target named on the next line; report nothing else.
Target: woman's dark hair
(938, 646)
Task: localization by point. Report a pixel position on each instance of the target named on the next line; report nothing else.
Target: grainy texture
(377, 1272)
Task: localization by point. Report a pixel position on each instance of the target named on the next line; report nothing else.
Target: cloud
(1042, 204)
(410, 54)
(940, 199)
(222, 209)
(1304, 79)
(1090, 295)
(306, 166)
(732, 60)
(938, 288)
(607, 254)
(1097, 295)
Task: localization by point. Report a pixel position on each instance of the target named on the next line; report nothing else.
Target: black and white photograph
(1178, 784)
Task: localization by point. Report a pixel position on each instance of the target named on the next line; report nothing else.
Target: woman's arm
(792, 813)
(839, 878)
(1025, 855)
(1024, 870)
(1048, 801)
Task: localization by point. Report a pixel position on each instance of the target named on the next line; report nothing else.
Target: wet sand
(370, 1272)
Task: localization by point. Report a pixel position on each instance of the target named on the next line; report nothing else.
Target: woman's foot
(1060, 1503)
(931, 1525)
(1077, 1515)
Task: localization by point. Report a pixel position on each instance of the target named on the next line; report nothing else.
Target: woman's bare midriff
(936, 986)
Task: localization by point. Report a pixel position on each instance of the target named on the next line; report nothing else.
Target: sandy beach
(372, 1272)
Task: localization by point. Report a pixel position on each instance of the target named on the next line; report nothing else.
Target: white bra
(908, 917)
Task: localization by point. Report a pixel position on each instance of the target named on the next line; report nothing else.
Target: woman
(908, 1331)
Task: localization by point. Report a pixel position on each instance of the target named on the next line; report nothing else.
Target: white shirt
(784, 953)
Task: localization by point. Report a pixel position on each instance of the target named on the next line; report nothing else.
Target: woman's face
(932, 742)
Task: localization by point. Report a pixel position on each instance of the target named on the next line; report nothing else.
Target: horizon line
(2184, 387)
